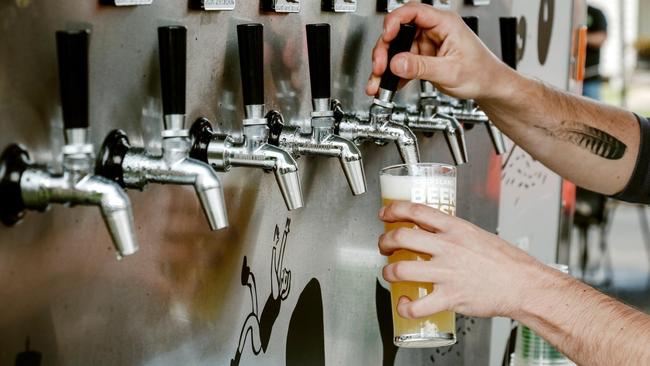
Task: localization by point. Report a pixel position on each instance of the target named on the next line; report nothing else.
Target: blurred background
(611, 239)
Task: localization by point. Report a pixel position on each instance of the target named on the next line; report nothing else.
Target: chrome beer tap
(428, 119)
(252, 149)
(134, 167)
(25, 186)
(320, 139)
(376, 124)
(467, 111)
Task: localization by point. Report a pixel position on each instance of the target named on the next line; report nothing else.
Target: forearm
(591, 144)
(584, 324)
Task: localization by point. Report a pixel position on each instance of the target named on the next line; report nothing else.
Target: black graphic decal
(385, 319)
(28, 357)
(306, 335)
(258, 326)
(545, 29)
(522, 30)
(596, 141)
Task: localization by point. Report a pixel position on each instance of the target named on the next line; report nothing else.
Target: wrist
(504, 85)
(538, 300)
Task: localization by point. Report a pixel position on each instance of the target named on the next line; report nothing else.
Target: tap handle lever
(508, 28)
(275, 122)
(172, 44)
(401, 43)
(251, 62)
(72, 54)
(472, 23)
(318, 46)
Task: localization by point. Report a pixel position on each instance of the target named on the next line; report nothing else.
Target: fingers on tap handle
(508, 28)
(472, 23)
(72, 54)
(172, 47)
(401, 43)
(251, 62)
(318, 47)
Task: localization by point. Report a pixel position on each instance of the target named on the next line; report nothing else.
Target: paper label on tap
(218, 4)
(286, 6)
(132, 2)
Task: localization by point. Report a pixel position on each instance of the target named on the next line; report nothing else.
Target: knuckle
(400, 235)
(400, 270)
(417, 211)
(422, 68)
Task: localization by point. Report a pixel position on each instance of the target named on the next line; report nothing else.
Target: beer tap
(376, 124)
(26, 186)
(466, 110)
(320, 140)
(428, 119)
(134, 167)
(252, 149)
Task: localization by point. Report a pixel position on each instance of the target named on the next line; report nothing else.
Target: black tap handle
(172, 48)
(508, 27)
(251, 62)
(72, 54)
(318, 47)
(401, 43)
(472, 23)
(275, 122)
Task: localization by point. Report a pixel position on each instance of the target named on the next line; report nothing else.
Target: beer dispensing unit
(25, 186)
(134, 167)
(376, 124)
(253, 149)
(320, 139)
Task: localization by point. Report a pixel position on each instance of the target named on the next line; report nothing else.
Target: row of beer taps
(193, 156)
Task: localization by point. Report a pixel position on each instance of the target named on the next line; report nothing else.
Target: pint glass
(433, 185)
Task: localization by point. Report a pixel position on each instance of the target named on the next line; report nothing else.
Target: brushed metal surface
(181, 299)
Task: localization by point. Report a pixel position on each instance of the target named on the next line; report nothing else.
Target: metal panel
(181, 299)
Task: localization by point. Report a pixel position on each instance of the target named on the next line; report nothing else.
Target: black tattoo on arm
(596, 141)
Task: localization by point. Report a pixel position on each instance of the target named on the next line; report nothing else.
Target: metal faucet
(224, 151)
(427, 118)
(134, 167)
(319, 138)
(25, 186)
(377, 125)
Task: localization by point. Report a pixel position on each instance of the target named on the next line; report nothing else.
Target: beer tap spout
(253, 149)
(134, 167)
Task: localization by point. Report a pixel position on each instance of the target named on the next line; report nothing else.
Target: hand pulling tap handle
(251, 62)
(72, 54)
(508, 28)
(172, 46)
(318, 47)
(472, 23)
(401, 43)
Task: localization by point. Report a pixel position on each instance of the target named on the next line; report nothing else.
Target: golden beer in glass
(433, 185)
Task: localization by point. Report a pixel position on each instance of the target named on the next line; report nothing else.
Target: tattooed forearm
(596, 141)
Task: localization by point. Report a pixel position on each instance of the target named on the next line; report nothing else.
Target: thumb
(410, 66)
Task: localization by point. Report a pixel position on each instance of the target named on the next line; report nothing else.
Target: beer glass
(433, 185)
